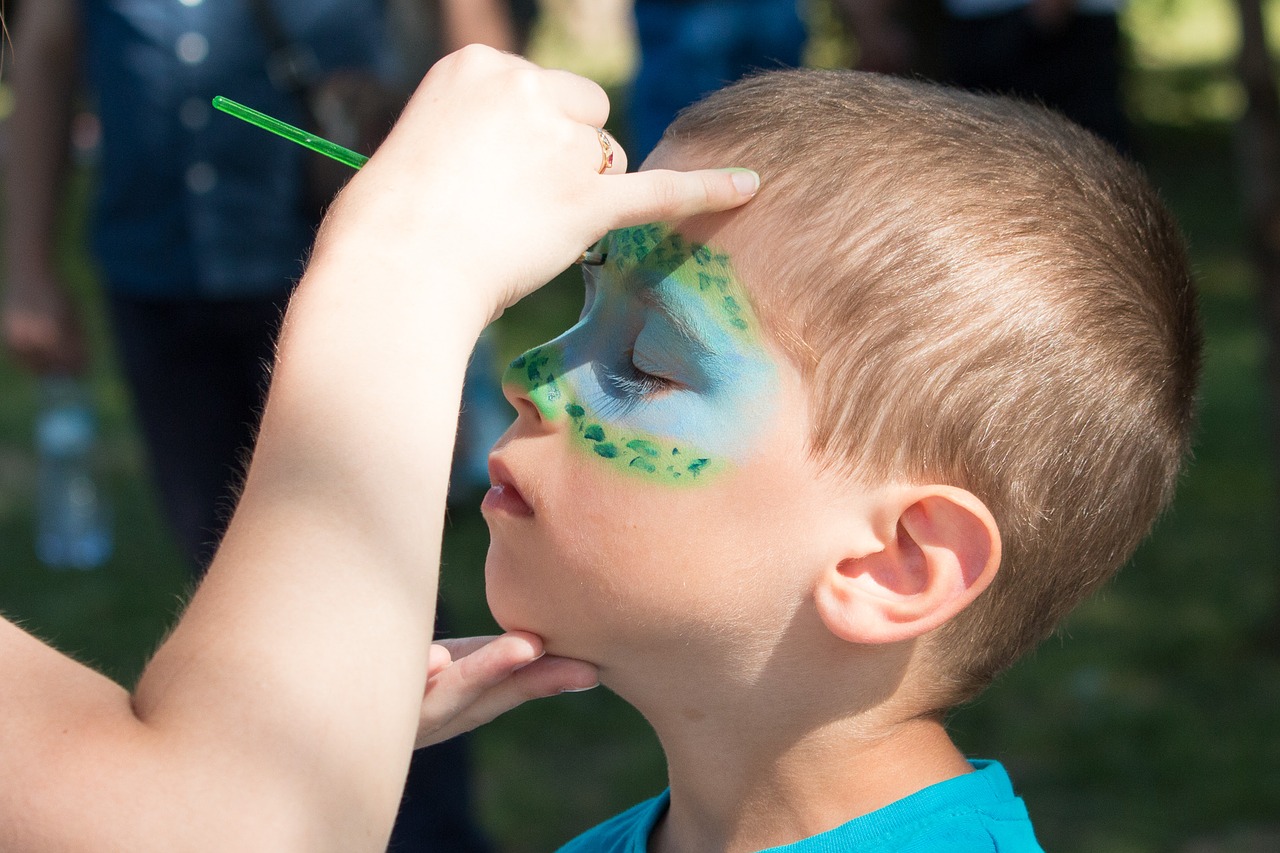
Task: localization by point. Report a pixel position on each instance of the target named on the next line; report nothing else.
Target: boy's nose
(527, 378)
(518, 397)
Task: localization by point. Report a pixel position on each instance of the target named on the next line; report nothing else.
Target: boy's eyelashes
(655, 373)
(638, 384)
(634, 380)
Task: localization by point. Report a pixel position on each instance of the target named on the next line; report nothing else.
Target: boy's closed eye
(669, 346)
(667, 352)
(640, 377)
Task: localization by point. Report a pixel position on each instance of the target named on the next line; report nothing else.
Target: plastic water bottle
(73, 529)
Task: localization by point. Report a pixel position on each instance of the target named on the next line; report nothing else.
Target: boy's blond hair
(978, 293)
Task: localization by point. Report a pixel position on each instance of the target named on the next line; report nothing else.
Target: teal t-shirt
(974, 812)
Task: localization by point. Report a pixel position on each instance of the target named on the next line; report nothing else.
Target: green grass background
(1149, 725)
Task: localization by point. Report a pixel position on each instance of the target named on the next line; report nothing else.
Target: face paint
(665, 377)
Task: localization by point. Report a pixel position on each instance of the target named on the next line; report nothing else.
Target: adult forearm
(323, 591)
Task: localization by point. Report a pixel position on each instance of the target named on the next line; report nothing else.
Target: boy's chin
(553, 641)
(512, 608)
(515, 613)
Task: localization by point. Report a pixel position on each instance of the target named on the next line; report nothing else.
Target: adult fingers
(550, 675)
(547, 676)
(489, 676)
(469, 68)
(663, 195)
(455, 704)
(513, 648)
(461, 670)
(438, 659)
(582, 99)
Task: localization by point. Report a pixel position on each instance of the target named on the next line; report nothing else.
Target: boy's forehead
(733, 242)
(658, 247)
(748, 234)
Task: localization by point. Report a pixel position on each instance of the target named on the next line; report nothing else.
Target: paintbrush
(318, 144)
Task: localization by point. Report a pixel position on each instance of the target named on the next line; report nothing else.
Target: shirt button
(201, 177)
(194, 113)
(192, 48)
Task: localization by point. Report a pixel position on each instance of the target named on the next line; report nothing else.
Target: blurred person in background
(1063, 53)
(690, 48)
(201, 226)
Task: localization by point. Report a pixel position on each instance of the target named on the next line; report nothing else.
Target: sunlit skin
(660, 444)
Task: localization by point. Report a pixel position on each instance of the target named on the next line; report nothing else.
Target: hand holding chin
(471, 681)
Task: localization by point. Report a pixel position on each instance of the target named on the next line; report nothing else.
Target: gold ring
(606, 150)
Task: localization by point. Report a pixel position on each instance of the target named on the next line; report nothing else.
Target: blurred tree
(1259, 153)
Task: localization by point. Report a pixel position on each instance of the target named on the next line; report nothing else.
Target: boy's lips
(503, 496)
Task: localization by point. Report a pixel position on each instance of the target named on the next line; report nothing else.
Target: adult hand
(492, 175)
(41, 328)
(473, 680)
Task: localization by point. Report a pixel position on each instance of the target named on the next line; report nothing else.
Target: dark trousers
(198, 374)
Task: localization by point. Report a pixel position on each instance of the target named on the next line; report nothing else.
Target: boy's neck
(730, 798)
(812, 736)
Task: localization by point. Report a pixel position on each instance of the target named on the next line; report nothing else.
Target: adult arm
(41, 326)
(280, 713)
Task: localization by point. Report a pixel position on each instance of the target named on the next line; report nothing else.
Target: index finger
(513, 648)
(663, 195)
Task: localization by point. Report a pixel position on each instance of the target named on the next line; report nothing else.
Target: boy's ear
(939, 549)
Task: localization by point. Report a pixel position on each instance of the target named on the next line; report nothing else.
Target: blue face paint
(666, 375)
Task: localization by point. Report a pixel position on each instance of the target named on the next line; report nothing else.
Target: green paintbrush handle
(354, 159)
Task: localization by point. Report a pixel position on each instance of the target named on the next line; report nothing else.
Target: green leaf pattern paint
(665, 377)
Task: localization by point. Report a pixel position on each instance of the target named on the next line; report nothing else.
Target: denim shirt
(192, 203)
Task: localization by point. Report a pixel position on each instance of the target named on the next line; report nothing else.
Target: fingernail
(521, 666)
(745, 181)
(580, 689)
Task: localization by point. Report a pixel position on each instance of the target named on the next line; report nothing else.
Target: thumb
(663, 195)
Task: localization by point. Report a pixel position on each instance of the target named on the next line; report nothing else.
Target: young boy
(808, 474)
